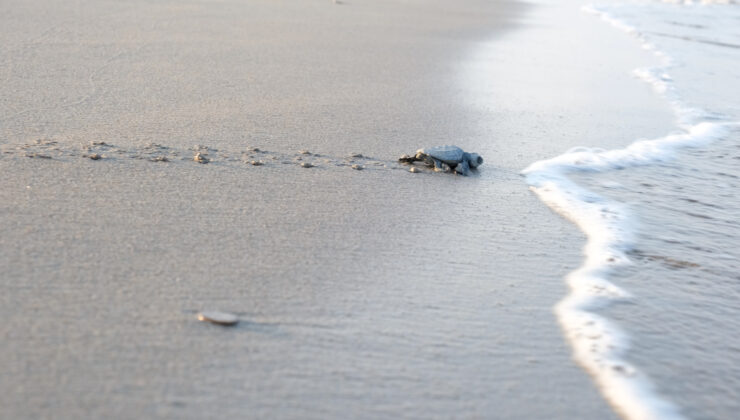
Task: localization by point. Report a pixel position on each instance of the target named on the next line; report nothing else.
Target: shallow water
(665, 244)
(684, 278)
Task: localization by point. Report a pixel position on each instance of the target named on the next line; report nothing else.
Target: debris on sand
(38, 155)
(201, 158)
(218, 318)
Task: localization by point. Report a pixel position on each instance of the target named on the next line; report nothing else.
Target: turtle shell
(451, 155)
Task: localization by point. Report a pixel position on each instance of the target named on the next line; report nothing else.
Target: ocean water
(653, 311)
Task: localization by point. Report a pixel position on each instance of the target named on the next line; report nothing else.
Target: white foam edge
(702, 2)
(657, 77)
(598, 344)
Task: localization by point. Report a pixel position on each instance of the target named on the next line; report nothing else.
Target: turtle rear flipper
(407, 159)
(440, 166)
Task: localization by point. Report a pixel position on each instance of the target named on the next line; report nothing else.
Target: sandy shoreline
(362, 293)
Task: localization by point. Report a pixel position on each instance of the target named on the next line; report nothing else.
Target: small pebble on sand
(219, 318)
(414, 170)
(304, 152)
(94, 156)
(201, 158)
(357, 167)
(256, 163)
(307, 165)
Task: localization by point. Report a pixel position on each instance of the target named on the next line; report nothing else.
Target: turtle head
(474, 159)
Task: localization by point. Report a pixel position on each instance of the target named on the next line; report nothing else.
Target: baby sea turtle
(445, 159)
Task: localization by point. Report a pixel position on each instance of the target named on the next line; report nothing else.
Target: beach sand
(374, 293)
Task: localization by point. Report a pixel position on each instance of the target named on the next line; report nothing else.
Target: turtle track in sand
(101, 151)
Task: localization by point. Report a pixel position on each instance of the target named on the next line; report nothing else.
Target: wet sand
(364, 294)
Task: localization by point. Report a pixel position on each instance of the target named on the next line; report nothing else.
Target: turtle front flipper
(463, 168)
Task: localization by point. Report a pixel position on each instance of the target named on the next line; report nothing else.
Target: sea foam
(600, 345)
